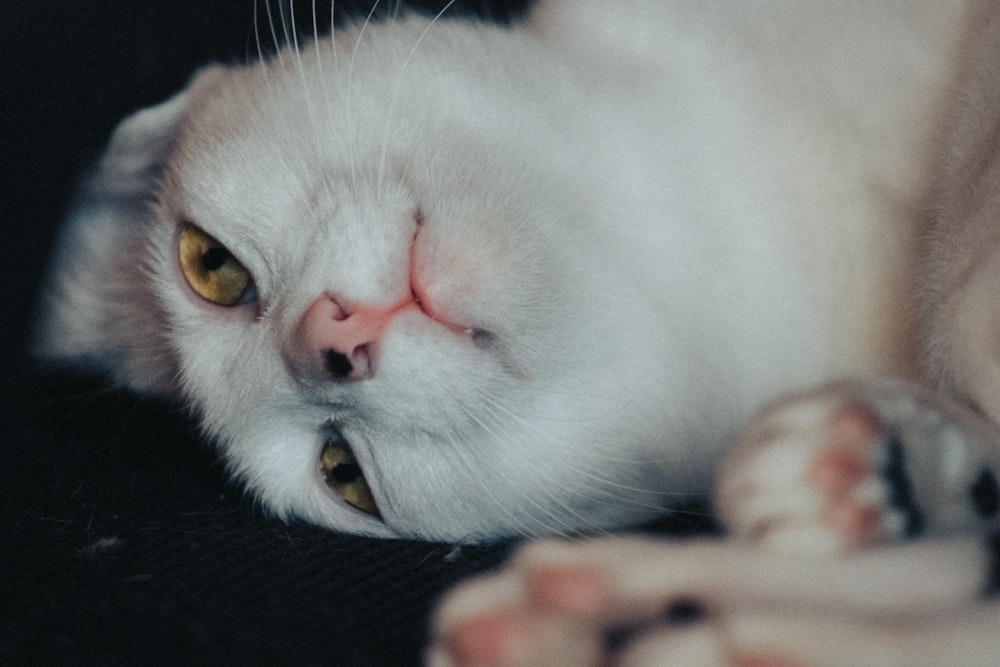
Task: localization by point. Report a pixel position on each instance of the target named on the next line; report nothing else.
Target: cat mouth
(343, 474)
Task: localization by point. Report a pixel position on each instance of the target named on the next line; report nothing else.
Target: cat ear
(97, 312)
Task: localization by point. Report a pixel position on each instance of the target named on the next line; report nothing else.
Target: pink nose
(337, 340)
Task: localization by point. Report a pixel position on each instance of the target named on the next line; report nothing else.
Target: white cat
(442, 280)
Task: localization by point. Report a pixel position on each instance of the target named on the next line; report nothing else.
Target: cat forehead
(357, 84)
(338, 131)
(303, 113)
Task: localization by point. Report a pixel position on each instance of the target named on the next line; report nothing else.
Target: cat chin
(566, 466)
(439, 483)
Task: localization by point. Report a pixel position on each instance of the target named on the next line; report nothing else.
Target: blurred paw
(853, 465)
(821, 472)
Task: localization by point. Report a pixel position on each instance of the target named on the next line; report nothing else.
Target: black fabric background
(122, 542)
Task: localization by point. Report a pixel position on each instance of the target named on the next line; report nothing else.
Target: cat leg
(857, 464)
(775, 638)
(645, 601)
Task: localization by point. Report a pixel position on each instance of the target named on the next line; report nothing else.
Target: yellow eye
(211, 270)
(344, 476)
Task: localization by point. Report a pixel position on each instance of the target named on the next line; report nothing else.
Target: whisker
(593, 495)
(256, 30)
(474, 472)
(350, 87)
(560, 525)
(333, 32)
(286, 10)
(274, 32)
(306, 89)
(494, 402)
(263, 68)
(324, 90)
(315, 22)
(395, 94)
(605, 490)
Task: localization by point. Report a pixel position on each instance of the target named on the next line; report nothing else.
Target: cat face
(372, 276)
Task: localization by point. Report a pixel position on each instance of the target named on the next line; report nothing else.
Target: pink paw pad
(571, 590)
(861, 473)
(765, 659)
(494, 639)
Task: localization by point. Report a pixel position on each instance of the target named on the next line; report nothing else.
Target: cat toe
(700, 644)
(517, 636)
(863, 474)
(710, 642)
(509, 619)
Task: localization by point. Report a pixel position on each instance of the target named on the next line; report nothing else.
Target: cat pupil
(345, 473)
(214, 258)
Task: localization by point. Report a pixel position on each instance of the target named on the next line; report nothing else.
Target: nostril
(335, 342)
(337, 364)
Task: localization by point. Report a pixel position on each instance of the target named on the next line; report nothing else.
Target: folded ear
(97, 311)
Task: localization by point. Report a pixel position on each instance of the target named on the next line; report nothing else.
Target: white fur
(664, 214)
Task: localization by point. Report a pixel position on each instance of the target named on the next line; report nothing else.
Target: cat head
(369, 269)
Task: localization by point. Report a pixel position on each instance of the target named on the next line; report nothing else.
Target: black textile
(130, 546)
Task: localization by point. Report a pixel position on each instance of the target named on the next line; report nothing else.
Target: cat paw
(508, 640)
(823, 472)
(576, 604)
(839, 470)
(714, 602)
(502, 619)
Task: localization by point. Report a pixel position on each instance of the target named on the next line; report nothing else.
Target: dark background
(120, 541)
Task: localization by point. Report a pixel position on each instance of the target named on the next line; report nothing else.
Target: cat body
(844, 505)
(619, 247)
(427, 278)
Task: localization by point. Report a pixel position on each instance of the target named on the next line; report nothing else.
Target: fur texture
(628, 230)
